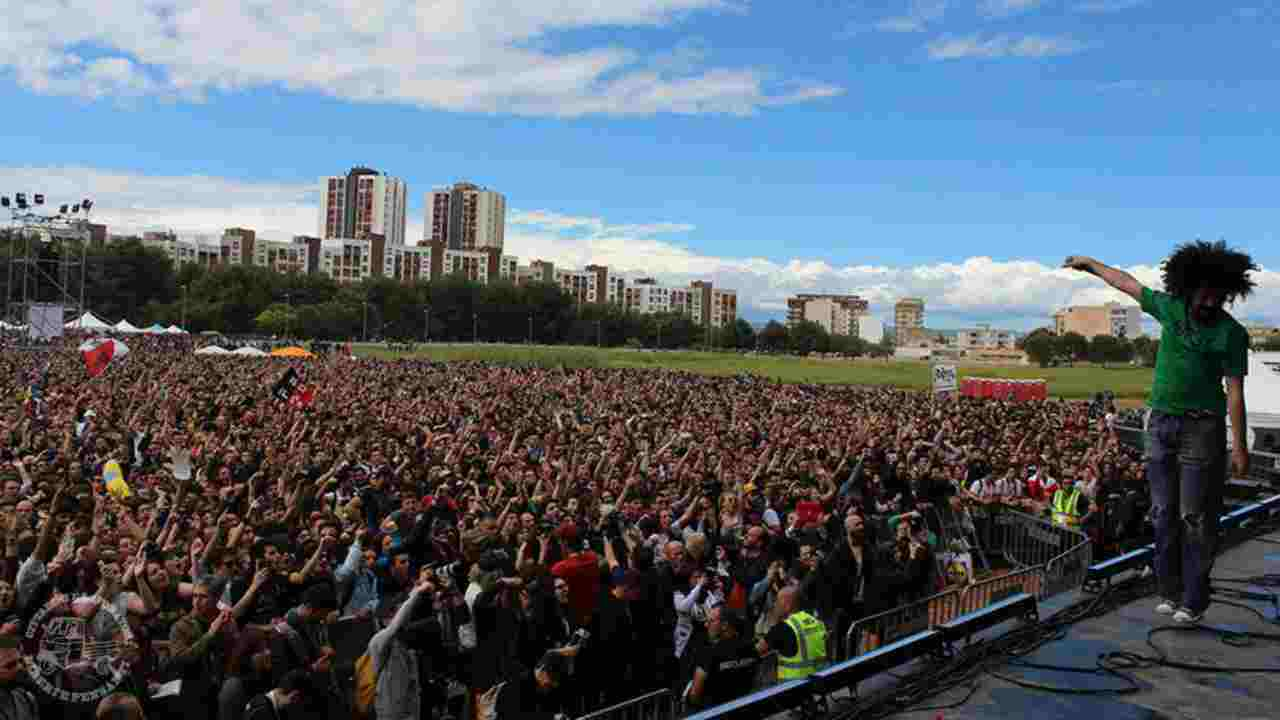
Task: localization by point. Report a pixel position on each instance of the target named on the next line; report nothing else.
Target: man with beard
(1202, 348)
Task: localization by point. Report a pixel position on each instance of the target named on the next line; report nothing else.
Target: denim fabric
(1186, 468)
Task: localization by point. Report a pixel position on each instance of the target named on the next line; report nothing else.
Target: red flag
(99, 353)
(302, 397)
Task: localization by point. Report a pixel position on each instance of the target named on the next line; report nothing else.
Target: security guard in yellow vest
(1066, 505)
(800, 639)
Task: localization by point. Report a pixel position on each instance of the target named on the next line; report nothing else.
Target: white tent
(175, 330)
(213, 350)
(156, 329)
(250, 352)
(1262, 401)
(126, 327)
(6, 326)
(88, 321)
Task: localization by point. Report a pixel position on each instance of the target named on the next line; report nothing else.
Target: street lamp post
(184, 306)
(365, 331)
(288, 315)
(475, 327)
(599, 333)
(530, 328)
(426, 324)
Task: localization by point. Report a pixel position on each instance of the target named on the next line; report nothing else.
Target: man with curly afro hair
(1200, 347)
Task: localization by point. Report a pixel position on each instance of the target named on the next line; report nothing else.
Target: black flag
(286, 385)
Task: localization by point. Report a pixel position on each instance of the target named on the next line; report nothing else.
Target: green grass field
(1077, 382)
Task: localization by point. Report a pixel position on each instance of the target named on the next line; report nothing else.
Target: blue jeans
(1187, 470)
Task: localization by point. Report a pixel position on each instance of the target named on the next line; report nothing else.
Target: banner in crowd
(944, 378)
(286, 386)
(99, 353)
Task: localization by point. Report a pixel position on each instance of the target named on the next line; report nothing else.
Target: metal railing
(657, 705)
(1048, 560)
(1029, 541)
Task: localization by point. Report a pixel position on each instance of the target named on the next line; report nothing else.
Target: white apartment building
(470, 264)
(700, 301)
(579, 284)
(282, 257)
(348, 260)
(984, 337)
(362, 203)
(465, 216)
(868, 328)
(509, 268)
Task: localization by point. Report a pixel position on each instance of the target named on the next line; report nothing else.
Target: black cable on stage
(982, 658)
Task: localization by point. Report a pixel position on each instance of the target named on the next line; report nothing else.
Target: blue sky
(951, 149)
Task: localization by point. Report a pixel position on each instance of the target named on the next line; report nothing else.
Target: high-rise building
(466, 217)
(363, 203)
(1112, 319)
(908, 321)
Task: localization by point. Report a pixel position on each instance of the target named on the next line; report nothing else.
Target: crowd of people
(410, 539)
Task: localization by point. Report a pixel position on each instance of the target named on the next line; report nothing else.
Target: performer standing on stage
(1200, 346)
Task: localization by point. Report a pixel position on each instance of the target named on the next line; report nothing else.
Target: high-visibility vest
(811, 641)
(1065, 507)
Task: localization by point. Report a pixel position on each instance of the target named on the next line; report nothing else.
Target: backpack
(366, 689)
(365, 698)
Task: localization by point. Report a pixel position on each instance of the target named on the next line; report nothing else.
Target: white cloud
(919, 16)
(1108, 6)
(1013, 293)
(460, 55)
(1002, 46)
(1005, 8)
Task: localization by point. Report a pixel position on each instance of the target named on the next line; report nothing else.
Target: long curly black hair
(1203, 264)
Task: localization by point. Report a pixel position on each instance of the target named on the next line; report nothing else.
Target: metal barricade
(1068, 571)
(994, 589)
(1264, 466)
(1029, 541)
(1132, 436)
(657, 705)
(872, 632)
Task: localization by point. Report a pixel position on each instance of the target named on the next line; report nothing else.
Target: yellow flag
(113, 478)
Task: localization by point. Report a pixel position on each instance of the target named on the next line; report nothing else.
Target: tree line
(1046, 348)
(126, 279)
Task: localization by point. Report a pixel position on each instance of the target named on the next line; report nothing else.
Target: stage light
(1131, 560)
(4, 201)
(75, 208)
(1021, 606)
(39, 198)
(86, 204)
(62, 209)
(20, 199)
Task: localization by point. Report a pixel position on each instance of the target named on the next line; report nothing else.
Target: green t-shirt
(1193, 360)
